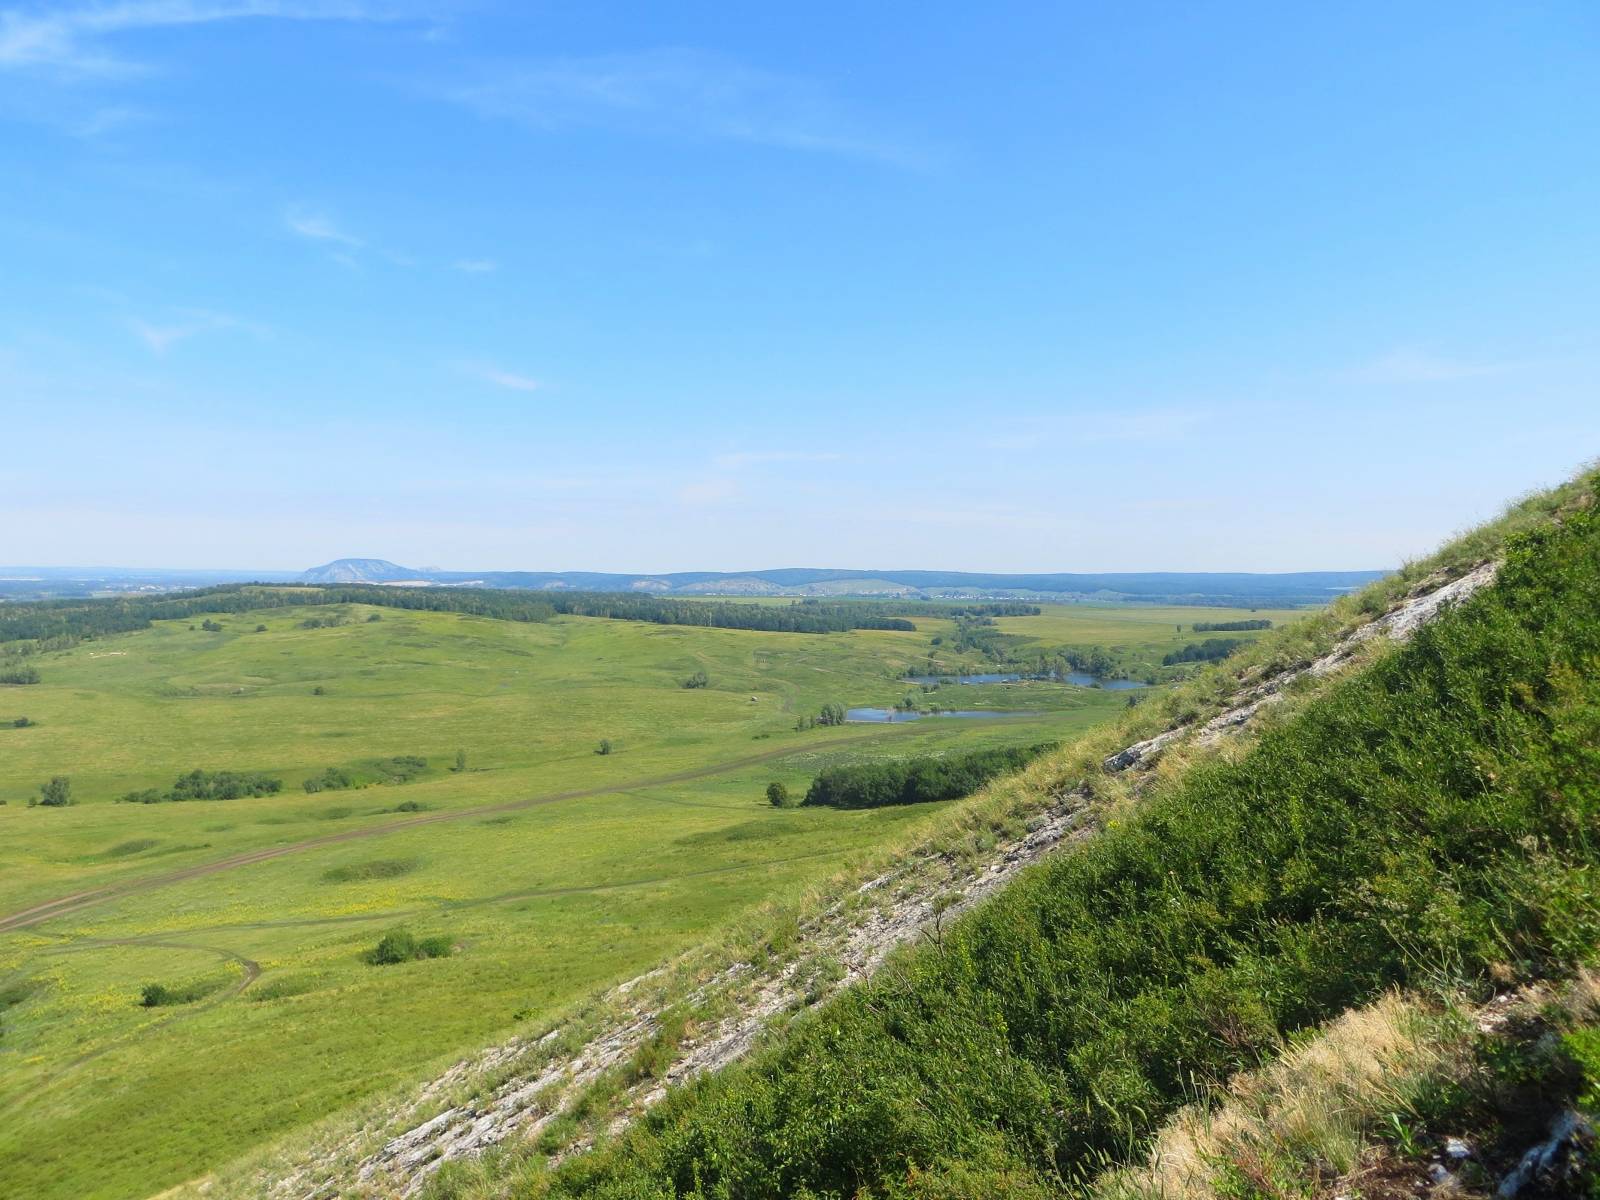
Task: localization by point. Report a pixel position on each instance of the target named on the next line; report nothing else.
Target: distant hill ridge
(1242, 588)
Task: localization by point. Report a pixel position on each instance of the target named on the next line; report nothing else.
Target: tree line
(207, 785)
(1207, 651)
(1229, 626)
(60, 624)
(915, 780)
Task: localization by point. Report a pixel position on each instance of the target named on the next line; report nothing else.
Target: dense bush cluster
(1436, 816)
(20, 675)
(916, 780)
(208, 785)
(400, 945)
(331, 779)
(1207, 651)
(160, 995)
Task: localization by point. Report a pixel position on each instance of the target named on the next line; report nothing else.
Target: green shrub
(159, 995)
(379, 868)
(332, 779)
(20, 675)
(400, 945)
(778, 795)
(56, 793)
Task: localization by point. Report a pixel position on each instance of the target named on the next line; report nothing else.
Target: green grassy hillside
(1432, 820)
(550, 870)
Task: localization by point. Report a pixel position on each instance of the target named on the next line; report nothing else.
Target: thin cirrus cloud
(681, 93)
(756, 458)
(72, 39)
(318, 228)
(509, 380)
(1411, 365)
(185, 324)
(1102, 426)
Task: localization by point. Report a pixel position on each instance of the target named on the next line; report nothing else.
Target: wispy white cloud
(1100, 427)
(319, 228)
(1412, 365)
(682, 93)
(70, 38)
(107, 120)
(475, 266)
(502, 378)
(706, 492)
(755, 458)
(184, 324)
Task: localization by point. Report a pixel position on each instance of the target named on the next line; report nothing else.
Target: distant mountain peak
(358, 570)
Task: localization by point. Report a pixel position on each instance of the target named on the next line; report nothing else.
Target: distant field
(554, 870)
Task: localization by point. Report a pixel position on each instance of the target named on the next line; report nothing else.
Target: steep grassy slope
(1433, 817)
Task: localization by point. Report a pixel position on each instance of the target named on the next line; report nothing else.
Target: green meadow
(550, 870)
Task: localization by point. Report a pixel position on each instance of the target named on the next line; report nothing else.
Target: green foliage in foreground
(1431, 817)
(208, 785)
(917, 780)
(400, 945)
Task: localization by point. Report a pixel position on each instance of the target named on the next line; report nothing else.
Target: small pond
(894, 716)
(1080, 678)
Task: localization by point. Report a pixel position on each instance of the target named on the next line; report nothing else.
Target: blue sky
(672, 286)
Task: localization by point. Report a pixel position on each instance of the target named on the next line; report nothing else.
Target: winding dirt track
(78, 901)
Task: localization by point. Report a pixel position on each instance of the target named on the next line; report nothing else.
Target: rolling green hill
(547, 869)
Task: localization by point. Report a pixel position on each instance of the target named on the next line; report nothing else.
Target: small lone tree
(698, 680)
(777, 795)
(604, 747)
(461, 760)
(261, 628)
(57, 793)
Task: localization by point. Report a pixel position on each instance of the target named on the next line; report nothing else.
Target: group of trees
(332, 779)
(914, 780)
(211, 626)
(208, 785)
(698, 680)
(832, 713)
(1227, 626)
(56, 793)
(1207, 651)
(19, 675)
(400, 945)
